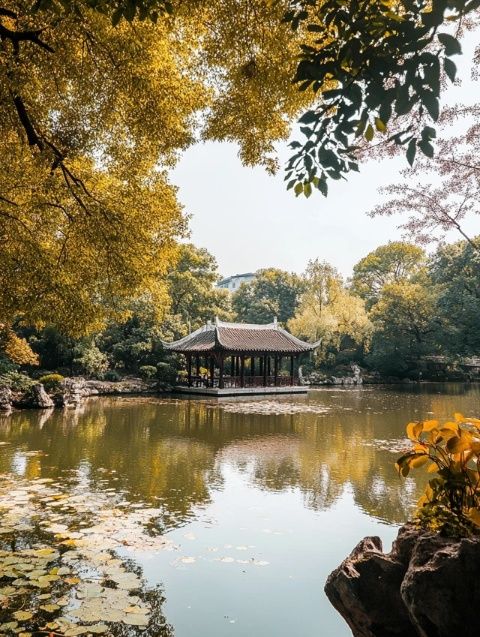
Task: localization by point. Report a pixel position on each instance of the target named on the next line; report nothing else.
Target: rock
(425, 587)
(365, 590)
(440, 587)
(5, 399)
(72, 392)
(357, 374)
(36, 398)
(125, 386)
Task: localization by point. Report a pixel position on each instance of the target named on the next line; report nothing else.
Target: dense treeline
(400, 307)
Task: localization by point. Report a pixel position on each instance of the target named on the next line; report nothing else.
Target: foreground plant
(451, 502)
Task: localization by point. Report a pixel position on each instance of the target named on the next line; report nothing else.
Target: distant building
(232, 283)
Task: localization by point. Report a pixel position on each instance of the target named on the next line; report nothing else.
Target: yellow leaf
(433, 468)
(452, 426)
(459, 417)
(379, 125)
(69, 543)
(457, 444)
(72, 580)
(414, 429)
(428, 425)
(446, 434)
(415, 463)
(474, 515)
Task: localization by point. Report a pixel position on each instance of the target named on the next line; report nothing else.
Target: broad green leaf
(411, 151)
(450, 69)
(451, 44)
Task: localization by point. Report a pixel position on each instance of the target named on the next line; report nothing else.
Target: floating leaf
(23, 615)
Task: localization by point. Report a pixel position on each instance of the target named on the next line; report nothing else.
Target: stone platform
(240, 391)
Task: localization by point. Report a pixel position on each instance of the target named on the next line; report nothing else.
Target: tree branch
(24, 36)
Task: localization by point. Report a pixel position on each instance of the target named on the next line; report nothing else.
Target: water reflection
(171, 452)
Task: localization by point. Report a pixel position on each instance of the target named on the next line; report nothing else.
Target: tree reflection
(171, 453)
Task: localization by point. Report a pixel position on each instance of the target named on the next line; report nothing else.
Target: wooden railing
(236, 381)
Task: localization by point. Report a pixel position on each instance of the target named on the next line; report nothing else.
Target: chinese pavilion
(239, 358)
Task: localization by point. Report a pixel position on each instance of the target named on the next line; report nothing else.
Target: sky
(248, 220)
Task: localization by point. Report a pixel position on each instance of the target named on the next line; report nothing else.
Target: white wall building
(232, 283)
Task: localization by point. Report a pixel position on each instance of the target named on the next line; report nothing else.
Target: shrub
(16, 381)
(51, 382)
(166, 373)
(112, 375)
(451, 503)
(147, 371)
(90, 360)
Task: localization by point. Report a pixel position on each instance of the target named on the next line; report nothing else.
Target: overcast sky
(248, 220)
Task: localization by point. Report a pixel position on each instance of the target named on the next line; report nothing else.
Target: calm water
(262, 497)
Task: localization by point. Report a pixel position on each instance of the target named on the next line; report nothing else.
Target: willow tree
(97, 100)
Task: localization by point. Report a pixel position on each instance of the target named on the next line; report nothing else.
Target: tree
(15, 349)
(377, 69)
(391, 263)
(449, 189)
(273, 293)
(406, 326)
(329, 312)
(98, 98)
(455, 270)
(191, 286)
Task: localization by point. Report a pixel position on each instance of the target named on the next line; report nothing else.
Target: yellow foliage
(91, 123)
(452, 499)
(16, 349)
(328, 311)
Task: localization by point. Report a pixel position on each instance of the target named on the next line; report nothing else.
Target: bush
(16, 381)
(451, 503)
(147, 371)
(166, 373)
(112, 375)
(51, 382)
(90, 360)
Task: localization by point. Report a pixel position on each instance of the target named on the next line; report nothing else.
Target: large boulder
(71, 393)
(36, 398)
(425, 587)
(441, 588)
(5, 399)
(364, 586)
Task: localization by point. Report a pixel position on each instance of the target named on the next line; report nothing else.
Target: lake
(259, 498)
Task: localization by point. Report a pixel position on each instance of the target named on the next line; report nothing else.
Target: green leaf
(307, 190)
(117, 16)
(369, 133)
(298, 189)
(428, 133)
(430, 101)
(426, 148)
(451, 44)
(308, 118)
(411, 151)
(450, 69)
(322, 186)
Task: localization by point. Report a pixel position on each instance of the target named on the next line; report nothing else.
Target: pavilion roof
(245, 338)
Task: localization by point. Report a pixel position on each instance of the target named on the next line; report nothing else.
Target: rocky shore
(72, 391)
(427, 586)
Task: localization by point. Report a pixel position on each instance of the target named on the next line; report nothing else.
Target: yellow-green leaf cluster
(452, 452)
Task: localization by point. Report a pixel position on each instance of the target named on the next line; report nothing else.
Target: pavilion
(241, 358)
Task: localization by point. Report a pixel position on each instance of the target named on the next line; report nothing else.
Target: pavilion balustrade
(236, 381)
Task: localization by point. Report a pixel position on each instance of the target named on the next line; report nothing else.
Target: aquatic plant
(450, 451)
